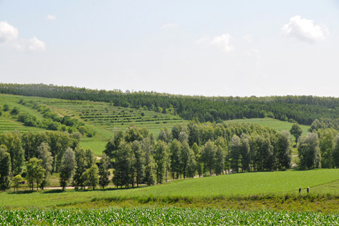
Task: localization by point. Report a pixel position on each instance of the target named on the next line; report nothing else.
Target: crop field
(235, 185)
(161, 216)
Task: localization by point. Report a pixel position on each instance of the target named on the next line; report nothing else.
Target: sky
(189, 47)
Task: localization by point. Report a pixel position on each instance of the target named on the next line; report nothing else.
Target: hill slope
(227, 185)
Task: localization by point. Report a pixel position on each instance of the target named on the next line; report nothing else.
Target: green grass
(272, 123)
(10, 125)
(242, 185)
(162, 216)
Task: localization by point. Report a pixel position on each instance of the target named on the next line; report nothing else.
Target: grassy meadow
(272, 123)
(242, 185)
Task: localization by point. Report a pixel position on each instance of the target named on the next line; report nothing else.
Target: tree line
(138, 157)
(302, 109)
(195, 149)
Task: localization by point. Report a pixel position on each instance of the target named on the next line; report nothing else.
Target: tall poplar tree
(5, 168)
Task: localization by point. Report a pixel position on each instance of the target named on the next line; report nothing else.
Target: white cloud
(9, 37)
(169, 25)
(221, 41)
(7, 32)
(50, 17)
(35, 44)
(304, 29)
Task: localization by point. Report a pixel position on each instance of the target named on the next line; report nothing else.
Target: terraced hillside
(102, 118)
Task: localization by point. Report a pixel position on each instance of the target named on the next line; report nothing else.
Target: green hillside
(270, 122)
(103, 118)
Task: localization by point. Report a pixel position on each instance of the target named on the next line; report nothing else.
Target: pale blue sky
(195, 47)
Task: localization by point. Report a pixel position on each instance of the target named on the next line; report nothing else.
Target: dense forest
(302, 109)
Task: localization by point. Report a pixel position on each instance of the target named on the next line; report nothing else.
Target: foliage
(12, 142)
(91, 176)
(104, 170)
(309, 152)
(296, 131)
(163, 216)
(16, 181)
(35, 172)
(67, 167)
(5, 168)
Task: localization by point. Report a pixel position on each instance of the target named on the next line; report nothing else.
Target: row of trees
(137, 157)
(18, 149)
(195, 149)
(51, 121)
(303, 109)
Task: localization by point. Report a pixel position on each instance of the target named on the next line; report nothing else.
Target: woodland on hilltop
(302, 109)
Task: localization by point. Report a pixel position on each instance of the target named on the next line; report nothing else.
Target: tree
(80, 168)
(12, 141)
(139, 162)
(133, 133)
(31, 141)
(15, 111)
(283, 150)
(165, 135)
(89, 158)
(161, 159)
(219, 160)
(35, 172)
(6, 107)
(91, 176)
(309, 152)
(263, 152)
(198, 161)
(122, 166)
(150, 165)
(104, 171)
(183, 137)
(67, 167)
(17, 179)
(5, 168)
(114, 144)
(175, 156)
(245, 152)
(326, 145)
(185, 157)
(208, 156)
(59, 142)
(235, 153)
(191, 165)
(336, 151)
(296, 131)
(47, 162)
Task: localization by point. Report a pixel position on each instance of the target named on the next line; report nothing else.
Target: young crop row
(161, 216)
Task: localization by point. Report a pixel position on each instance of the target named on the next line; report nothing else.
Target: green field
(161, 216)
(272, 123)
(10, 125)
(234, 185)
